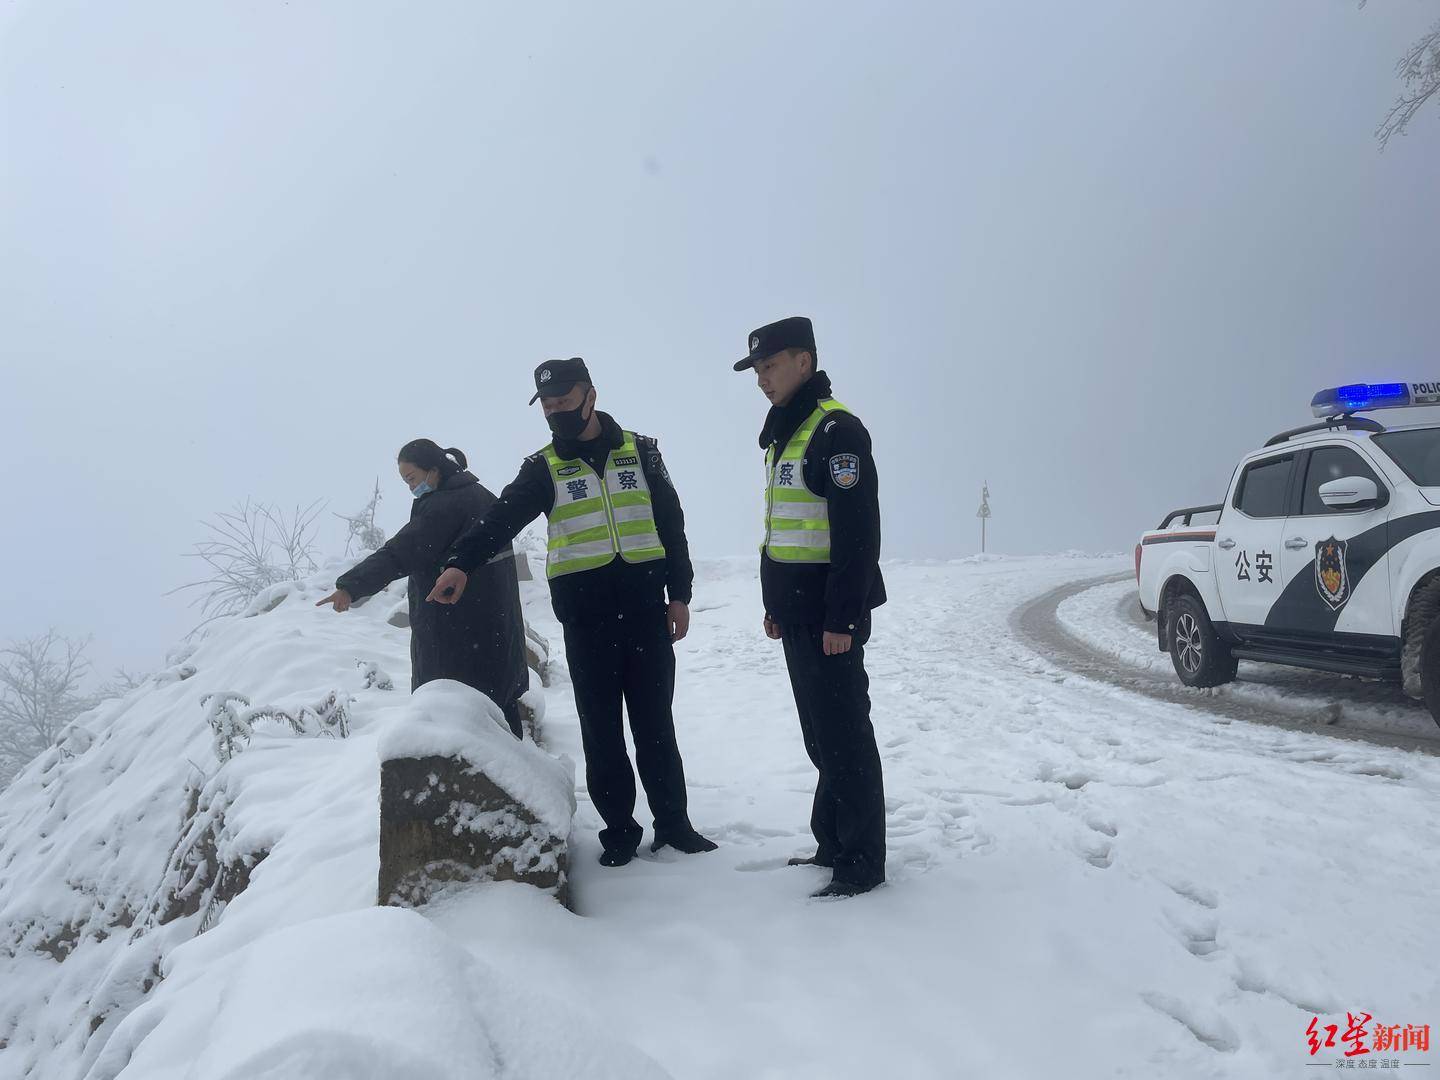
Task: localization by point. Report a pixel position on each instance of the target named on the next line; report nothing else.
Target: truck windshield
(1416, 451)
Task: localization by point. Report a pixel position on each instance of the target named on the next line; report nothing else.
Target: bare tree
(40, 693)
(251, 548)
(1419, 72)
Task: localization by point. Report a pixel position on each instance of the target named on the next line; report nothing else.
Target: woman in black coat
(480, 640)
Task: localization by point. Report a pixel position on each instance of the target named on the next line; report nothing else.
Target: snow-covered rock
(461, 799)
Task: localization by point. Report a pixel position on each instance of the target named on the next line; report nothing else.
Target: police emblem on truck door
(1332, 579)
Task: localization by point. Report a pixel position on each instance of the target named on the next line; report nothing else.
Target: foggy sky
(1089, 252)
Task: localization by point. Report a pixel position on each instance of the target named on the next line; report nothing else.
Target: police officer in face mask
(616, 547)
(820, 578)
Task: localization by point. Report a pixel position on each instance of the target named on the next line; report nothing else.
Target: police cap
(792, 333)
(556, 378)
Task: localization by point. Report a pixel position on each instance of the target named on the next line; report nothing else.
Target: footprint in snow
(1195, 894)
(1207, 1025)
(1099, 854)
(1252, 983)
(1198, 933)
(1102, 826)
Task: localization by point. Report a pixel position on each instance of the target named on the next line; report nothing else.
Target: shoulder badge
(845, 470)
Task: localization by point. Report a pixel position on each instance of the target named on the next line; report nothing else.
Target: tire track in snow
(1036, 623)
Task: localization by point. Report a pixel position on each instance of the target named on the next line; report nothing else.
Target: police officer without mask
(820, 578)
(616, 546)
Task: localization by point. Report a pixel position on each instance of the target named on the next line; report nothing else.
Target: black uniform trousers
(628, 657)
(832, 695)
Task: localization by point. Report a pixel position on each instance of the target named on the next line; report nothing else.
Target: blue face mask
(422, 488)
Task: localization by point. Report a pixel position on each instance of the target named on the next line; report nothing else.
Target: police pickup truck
(1325, 553)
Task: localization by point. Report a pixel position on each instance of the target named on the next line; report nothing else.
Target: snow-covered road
(1094, 628)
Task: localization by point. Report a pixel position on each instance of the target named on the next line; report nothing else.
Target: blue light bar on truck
(1362, 397)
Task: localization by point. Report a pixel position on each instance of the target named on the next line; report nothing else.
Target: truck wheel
(1420, 615)
(1199, 656)
(1430, 670)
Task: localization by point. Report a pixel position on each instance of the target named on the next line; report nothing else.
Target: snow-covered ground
(1083, 882)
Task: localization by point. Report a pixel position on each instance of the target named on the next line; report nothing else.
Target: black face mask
(569, 423)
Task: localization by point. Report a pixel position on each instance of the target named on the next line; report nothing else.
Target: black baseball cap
(556, 378)
(792, 333)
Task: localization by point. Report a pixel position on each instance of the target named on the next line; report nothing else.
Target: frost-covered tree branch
(1419, 73)
(364, 534)
(40, 693)
(250, 549)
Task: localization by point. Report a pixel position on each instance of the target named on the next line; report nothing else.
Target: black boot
(616, 856)
(840, 890)
(685, 840)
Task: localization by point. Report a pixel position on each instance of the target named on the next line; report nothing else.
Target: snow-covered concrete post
(461, 799)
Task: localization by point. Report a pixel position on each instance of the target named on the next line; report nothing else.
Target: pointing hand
(340, 598)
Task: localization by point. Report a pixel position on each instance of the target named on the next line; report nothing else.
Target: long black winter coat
(481, 640)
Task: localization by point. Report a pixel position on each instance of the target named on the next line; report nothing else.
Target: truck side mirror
(1349, 493)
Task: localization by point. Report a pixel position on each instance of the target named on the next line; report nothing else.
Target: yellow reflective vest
(595, 518)
(797, 521)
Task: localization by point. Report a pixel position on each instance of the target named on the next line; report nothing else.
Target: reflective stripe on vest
(797, 521)
(592, 520)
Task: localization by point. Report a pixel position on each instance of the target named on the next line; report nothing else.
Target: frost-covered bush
(232, 719)
(376, 677)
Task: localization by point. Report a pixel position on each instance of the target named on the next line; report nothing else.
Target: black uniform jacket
(479, 641)
(835, 595)
(618, 586)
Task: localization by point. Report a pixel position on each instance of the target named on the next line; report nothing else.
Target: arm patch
(844, 470)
